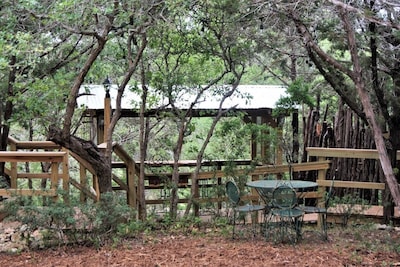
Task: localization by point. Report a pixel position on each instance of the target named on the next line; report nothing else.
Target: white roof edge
(262, 96)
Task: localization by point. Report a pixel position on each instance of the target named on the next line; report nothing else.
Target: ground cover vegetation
(334, 51)
(104, 234)
(190, 241)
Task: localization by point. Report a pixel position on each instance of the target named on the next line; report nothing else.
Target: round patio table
(265, 187)
(271, 184)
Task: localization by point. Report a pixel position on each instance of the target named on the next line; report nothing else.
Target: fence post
(321, 190)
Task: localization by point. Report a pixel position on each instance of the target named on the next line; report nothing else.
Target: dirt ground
(346, 247)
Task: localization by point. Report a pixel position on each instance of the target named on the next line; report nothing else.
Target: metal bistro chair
(284, 211)
(234, 196)
(322, 210)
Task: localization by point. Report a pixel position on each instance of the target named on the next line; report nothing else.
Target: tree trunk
(175, 172)
(194, 187)
(89, 152)
(6, 113)
(335, 77)
(143, 141)
(356, 76)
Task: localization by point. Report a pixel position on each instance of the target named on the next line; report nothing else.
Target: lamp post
(107, 107)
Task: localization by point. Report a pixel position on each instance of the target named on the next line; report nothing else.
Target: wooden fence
(216, 178)
(23, 152)
(53, 158)
(322, 154)
(27, 151)
(59, 173)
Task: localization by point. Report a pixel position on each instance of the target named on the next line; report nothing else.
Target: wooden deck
(359, 213)
(371, 214)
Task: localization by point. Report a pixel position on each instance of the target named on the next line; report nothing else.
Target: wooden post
(14, 173)
(96, 186)
(54, 178)
(130, 172)
(82, 182)
(107, 115)
(14, 168)
(321, 190)
(65, 176)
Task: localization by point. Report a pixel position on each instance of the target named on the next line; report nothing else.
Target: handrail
(323, 153)
(12, 156)
(55, 158)
(345, 153)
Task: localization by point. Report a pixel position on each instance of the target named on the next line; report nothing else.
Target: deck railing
(58, 159)
(22, 152)
(323, 154)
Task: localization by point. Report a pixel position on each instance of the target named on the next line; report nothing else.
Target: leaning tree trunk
(87, 150)
(356, 76)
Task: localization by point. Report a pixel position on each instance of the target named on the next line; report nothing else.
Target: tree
(369, 34)
(194, 57)
(32, 52)
(45, 41)
(83, 39)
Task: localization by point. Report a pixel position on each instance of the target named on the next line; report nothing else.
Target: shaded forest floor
(350, 246)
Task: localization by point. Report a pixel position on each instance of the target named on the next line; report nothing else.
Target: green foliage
(299, 94)
(90, 223)
(349, 205)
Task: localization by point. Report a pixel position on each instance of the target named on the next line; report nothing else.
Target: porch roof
(246, 97)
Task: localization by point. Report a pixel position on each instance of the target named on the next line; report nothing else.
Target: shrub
(90, 222)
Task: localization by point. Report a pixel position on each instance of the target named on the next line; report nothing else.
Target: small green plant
(349, 205)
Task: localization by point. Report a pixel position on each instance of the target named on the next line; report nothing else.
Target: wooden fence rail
(323, 154)
(54, 158)
(347, 153)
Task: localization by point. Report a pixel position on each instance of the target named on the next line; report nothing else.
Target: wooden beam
(83, 162)
(37, 145)
(83, 189)
(350, 184)
(130, 174)
(16, 144)
(344, 153)
(107, 116)
(12, 156)
(44, 175)
(192, 163)
(262, 170)
(132, 187)
(82, 182)
(297, 167)
(121, 183)
(65, 176)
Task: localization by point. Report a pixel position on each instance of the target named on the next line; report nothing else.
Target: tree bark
(6, 114)
(333, 71)
(88, 151)
(369, 112)
(194, 187)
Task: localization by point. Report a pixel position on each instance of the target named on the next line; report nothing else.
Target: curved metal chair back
(233, 192)
(284, 197)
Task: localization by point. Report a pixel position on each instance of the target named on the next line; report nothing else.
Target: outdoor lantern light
(107, 86)
(107, 107)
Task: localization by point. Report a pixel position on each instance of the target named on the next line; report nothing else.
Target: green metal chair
(233, 194)
(284, 214)
(322, 210)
